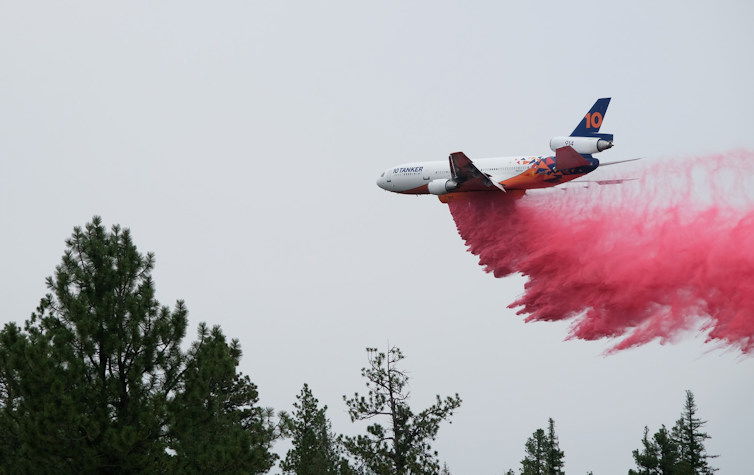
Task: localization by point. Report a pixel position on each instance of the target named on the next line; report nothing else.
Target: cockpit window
(383, 174)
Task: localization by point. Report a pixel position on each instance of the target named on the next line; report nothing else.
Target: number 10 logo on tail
(593, 120)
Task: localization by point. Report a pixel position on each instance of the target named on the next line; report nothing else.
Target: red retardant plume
(643, 260)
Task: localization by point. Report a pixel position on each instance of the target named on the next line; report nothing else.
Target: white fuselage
(414, 177)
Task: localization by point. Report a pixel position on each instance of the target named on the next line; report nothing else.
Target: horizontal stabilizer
(604, 164)
(616, 181)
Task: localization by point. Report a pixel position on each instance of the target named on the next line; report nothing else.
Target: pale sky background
(240, 141)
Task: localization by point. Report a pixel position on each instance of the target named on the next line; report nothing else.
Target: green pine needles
(679, 451)
(96, 380)
(399, 440)
(316, 450)
(543, 454)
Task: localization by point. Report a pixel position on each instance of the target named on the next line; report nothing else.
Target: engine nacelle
(586, 145)
(440, 187)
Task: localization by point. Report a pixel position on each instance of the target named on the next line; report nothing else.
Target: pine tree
(402, 445)
(658, 455)
(677, 452)
(217, 425)
(646, 458)
(553, 456)
(316, 450)
(86, 384)
(89, 374)
(689, 438)
(543, 454)
(667, 451)
(535, 460)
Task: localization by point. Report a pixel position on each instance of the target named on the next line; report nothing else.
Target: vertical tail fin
(592, 121)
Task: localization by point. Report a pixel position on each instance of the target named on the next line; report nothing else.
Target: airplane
(573, 159)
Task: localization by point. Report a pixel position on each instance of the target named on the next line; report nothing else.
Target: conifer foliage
(658, 455)
(92, 380)
(679, 451)
(543, 454)
(688, 436)
(216, 422)
(316, 450)
(402, 444)
(553, 456)
(535, 449)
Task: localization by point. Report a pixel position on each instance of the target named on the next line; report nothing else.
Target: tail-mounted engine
(585, 145)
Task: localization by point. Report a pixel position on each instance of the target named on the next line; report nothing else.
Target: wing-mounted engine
(585, 145)
(442, 186)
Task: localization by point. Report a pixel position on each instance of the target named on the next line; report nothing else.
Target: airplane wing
(468, 176)
(604, 164)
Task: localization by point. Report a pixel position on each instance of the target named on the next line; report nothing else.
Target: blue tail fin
(592, 121)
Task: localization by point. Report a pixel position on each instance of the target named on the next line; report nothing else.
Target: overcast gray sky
(240, 141)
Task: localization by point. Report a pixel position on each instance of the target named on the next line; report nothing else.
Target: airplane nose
(381, 181)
